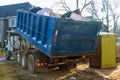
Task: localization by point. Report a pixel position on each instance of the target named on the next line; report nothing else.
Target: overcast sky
(41, 3)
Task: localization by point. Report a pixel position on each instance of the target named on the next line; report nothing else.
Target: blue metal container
(57, 36)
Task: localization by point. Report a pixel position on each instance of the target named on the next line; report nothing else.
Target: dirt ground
(12, 71)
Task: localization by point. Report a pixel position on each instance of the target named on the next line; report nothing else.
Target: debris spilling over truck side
(48, 12)
(75, 15)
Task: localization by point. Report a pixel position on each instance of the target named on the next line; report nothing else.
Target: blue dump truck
(47, 42)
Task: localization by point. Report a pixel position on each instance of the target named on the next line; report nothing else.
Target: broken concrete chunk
(78, 17)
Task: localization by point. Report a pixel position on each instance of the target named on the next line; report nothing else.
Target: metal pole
(107, 17)
(77, 1)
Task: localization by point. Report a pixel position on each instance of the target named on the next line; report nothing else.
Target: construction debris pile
(75, 15)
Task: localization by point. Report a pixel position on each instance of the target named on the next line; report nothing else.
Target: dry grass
(11, 71)
(5, 72)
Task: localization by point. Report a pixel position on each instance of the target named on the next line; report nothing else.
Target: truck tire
(8, 55)
(31, 64)
(24, 61)
(19, 58)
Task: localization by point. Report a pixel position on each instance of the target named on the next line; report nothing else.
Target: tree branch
(85, 6)
(65, 5)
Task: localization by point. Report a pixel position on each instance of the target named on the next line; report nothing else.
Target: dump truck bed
(58, 36)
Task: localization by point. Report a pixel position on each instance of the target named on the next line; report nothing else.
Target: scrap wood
(102, 74)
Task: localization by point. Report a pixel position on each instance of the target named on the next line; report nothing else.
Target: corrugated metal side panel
(36, 29)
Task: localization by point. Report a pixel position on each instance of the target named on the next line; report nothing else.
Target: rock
(72, 78)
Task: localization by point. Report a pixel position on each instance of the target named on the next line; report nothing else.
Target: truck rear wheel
(24, 61)
(8, 55)
(19, 58)
(31, 64)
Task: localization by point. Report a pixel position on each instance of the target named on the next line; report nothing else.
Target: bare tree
(109, 7)
(85, 5)
(115, 14)
(106, 8)
(67, 8)
(93, 10)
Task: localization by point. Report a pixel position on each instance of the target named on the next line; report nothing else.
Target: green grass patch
(2, 52)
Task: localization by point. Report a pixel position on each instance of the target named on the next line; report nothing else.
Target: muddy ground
(12, 71)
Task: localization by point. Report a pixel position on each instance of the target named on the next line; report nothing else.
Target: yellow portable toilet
(105, 55)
